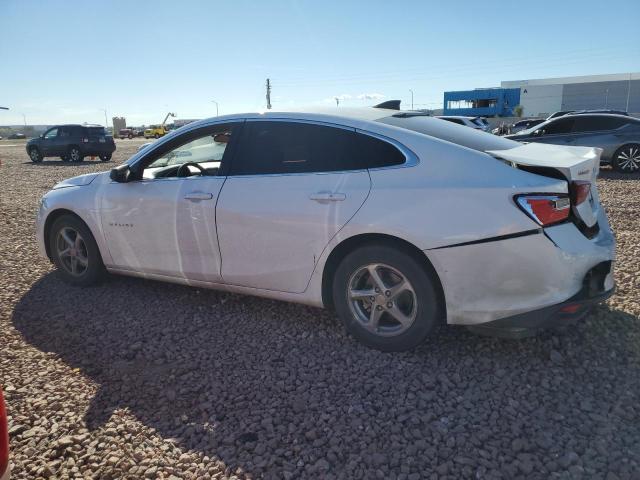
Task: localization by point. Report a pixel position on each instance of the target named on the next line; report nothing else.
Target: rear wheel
(627, 158)
(156, 136)
(385, 298)
(75, 252)
(105, 158)
(35, 155)
(74, 154)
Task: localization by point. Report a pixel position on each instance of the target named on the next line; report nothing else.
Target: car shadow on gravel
(611, 174)
(273, 387)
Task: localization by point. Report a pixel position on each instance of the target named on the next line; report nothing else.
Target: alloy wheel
(74, 155)
(72, 251)
(35, 156)
(629, 158)
(382, 299)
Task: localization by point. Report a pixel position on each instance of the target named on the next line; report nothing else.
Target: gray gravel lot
(138, 379)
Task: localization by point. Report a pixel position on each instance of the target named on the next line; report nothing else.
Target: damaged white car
(396, 220)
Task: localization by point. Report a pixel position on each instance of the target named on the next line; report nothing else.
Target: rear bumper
(507, 278)
(98, 149)
(596, 289)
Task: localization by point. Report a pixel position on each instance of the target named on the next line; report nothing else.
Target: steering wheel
(184, 171)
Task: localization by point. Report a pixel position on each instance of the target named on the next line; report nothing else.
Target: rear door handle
(327, 197)
(198, 196)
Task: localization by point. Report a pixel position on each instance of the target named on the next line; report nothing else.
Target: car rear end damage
(522, 282)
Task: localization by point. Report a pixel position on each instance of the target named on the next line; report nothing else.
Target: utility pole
(337, 101)
(106, 124)
(216, 106)
(411, 98)
(24, 117)
(268, 94)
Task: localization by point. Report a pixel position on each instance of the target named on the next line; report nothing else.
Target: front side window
(297, 147)
(198, 153)
(51, 133)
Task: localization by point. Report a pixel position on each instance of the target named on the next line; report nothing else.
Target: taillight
(545, 209)
(579, 190)
(4, 437)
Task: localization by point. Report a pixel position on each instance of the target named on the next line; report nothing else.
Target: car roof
(598, 115)
(77, 125)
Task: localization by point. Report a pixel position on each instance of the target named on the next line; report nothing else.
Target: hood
(79, 181)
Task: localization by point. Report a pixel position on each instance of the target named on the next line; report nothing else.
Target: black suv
(72, 143)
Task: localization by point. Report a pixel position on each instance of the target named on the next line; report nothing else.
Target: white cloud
(371, 96)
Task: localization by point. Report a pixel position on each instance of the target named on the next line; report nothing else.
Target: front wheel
(105, 158)
(35, 155)
(627, 158)
(75, 252)
(385, 298)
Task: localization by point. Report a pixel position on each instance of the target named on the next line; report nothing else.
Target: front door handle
(327, 197)
(198, 196)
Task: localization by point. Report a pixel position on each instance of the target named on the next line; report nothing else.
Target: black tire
(105, 158)
(74, 154)
(129, 136)
(424, 298)
(94, 270)
(35, 155)
(156, 136)
(627, 158)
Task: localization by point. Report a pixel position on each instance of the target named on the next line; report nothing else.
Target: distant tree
(518, 111)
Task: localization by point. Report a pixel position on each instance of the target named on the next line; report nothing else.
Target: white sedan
(396, 220)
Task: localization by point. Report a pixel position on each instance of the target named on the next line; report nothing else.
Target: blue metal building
(484, 102)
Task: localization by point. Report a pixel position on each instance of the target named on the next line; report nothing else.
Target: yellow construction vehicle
(157, 131)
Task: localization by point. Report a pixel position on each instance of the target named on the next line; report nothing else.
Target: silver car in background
(617, 135)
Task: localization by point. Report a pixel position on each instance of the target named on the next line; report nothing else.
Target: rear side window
(593, 124)
(563, 125)
(95, 131)
(294, 147)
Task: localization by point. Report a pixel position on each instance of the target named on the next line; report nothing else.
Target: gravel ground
(138, 379)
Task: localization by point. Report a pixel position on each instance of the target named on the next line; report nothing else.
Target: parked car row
(617, 135)
(72, 143)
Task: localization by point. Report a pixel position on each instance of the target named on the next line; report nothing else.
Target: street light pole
(216, 107)
(411, 98)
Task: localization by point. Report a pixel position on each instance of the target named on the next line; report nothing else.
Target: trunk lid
(572, 163)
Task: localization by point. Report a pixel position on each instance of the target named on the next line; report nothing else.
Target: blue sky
(65, 61)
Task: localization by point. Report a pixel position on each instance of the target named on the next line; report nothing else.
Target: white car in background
(477, 123)
(397, 220)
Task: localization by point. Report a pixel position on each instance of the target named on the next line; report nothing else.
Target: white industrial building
(540, 97)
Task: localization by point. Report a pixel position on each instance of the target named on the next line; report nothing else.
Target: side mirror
(121, 173)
